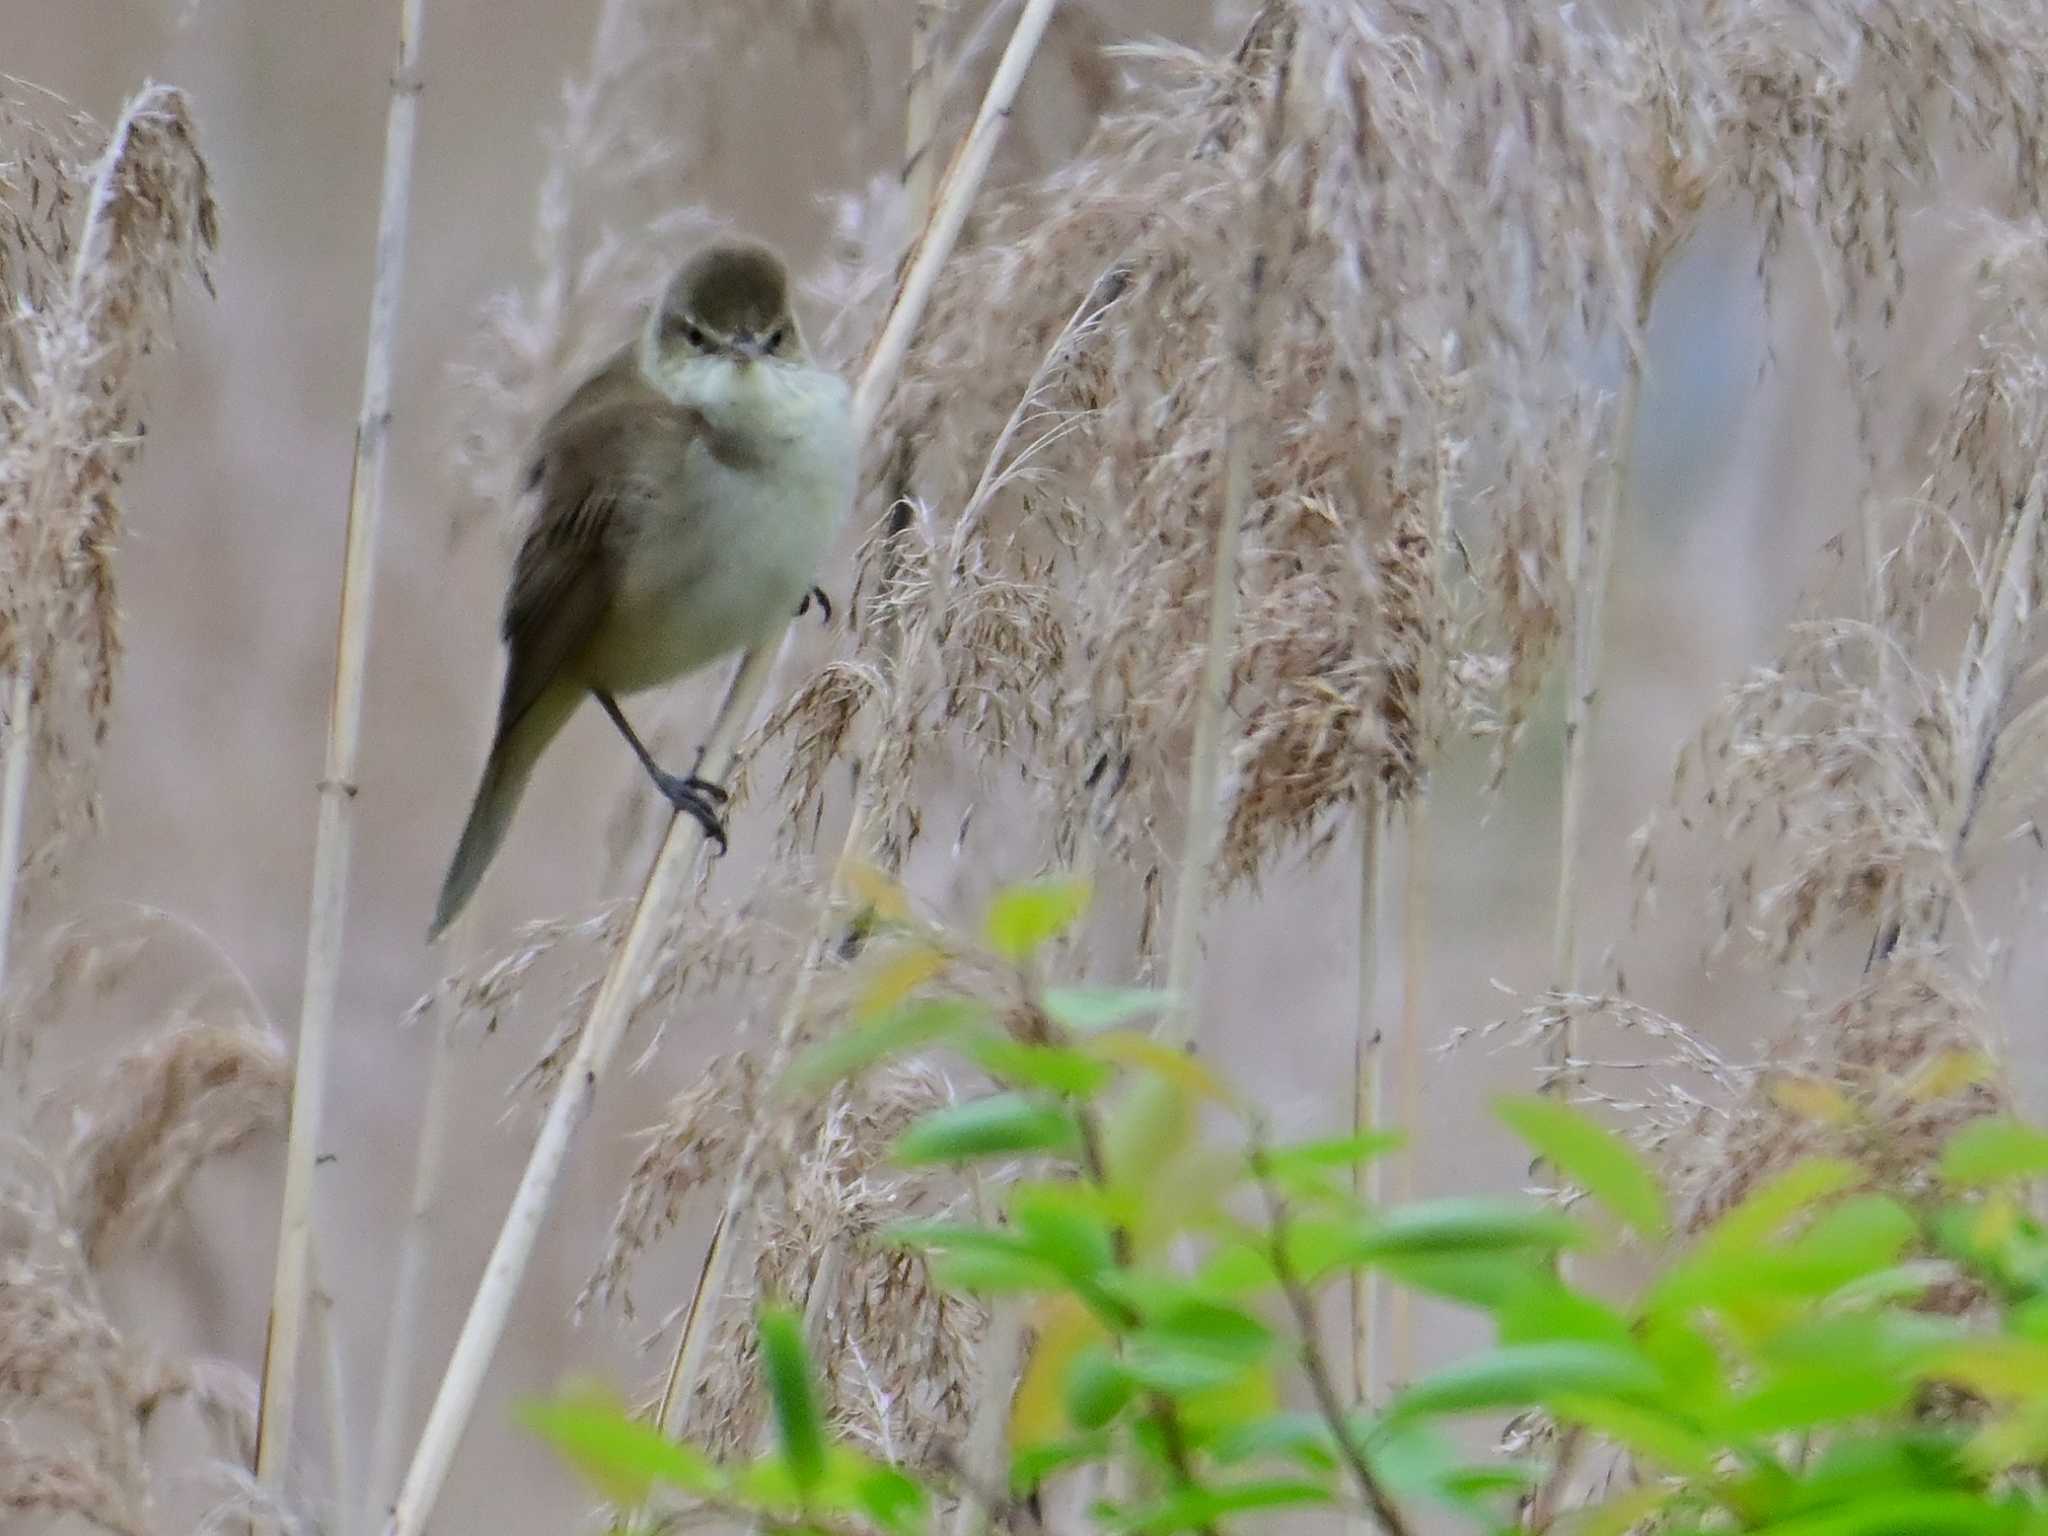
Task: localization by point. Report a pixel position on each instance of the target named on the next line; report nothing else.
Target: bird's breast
(725, 564)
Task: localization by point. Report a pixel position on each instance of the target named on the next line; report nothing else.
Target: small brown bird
(685, 494)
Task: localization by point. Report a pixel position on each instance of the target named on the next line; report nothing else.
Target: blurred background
(229, 580)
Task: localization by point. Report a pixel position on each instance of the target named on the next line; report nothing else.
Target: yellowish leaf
(1812, 1099)
(1948, 1074)
(1038, 1412)
(889, 900)
(1129, 1048)
(897, 976)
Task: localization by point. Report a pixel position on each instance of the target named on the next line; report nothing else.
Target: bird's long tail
(517, 748)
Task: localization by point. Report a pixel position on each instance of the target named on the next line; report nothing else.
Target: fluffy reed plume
(95, 1170)
(892, 1349)
(95, 231)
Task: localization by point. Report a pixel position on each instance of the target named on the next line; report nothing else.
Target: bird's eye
(775, 338)
(693, 335)
(676, 326)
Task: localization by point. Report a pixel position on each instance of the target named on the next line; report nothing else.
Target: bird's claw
(699, 799)
(817, 595)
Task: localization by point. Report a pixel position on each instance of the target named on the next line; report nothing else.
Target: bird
(683, 497)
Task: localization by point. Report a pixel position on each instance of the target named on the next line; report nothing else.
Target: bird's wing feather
(611, 454)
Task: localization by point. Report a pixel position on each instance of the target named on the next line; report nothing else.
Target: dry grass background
(1742, 474)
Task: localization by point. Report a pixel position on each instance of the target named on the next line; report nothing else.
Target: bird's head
(729, 303)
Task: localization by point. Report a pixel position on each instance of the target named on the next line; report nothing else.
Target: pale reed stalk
(1589, 539)
(1243, 347)
(1414, 967)
(337, 786)
(620, 989)
(996, 1364)
(333, 1398)
(415, 1247)
(1368, 1086)
(14, 802)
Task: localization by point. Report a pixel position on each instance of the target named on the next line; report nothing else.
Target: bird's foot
(699, 799)
(816, 595)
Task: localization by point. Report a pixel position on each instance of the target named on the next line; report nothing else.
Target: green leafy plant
(1825, 1357)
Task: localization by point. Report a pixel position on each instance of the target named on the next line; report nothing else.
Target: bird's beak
(746, 346)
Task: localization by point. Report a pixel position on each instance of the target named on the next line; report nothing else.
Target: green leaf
(890, 1498)
(1088, 1010)
(1480, 1279)
(1300, 1437)
(1759, 1215)
(1894, 1513)
(897, 1030)
(1648, 1433)
(1033, 1464)
(1544, 1310)
(786, 1365)
(1858, 1236)
(1210, 1328)
(1593, 1157)
(970, 1258)
(1524, 1375)
(1025, 917)
(1098, 1387)
(1993, 1150)
(1169, 1366)
(619, 1455)
(1811, 1398)
(1455, 1226)
(1063, 1229)
(1002, 1125)
(1193, 1508)
(1055, 1068)
(1333, 1152)
(1725, 1257)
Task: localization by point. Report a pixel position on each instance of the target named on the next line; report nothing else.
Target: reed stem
(335, 838)
(14, 803)
(1368, 1086)
(1205, 769)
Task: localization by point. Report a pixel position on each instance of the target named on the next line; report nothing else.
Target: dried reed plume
(97, 1167)
(93, 237)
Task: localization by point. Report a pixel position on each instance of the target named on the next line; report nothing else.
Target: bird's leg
(816, 595)
(699, 797)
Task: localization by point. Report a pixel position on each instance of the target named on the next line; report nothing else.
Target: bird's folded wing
(600, 469)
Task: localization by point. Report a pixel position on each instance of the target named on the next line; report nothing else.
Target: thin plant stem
(1589, 539)
(996, 1362)
(1367, 1085)
(617, 995)
(1321, 1383)
(337, 785)
(668, 1412)
(921, 107)
(14, 802)
(415, 1246)
(1205, 768)
(334, 1398)
(1414, 969)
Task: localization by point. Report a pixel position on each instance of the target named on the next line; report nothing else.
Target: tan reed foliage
(97, 1167)
(96, 228)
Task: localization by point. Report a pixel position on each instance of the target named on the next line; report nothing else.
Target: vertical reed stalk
(1368, 1085)
(1414, 967)
(1589, 539)
(334, 1400)
(337, 785)
(620, 989)
(401, 1343)
(14, 801)
(1246, 336)
(995, 1374)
